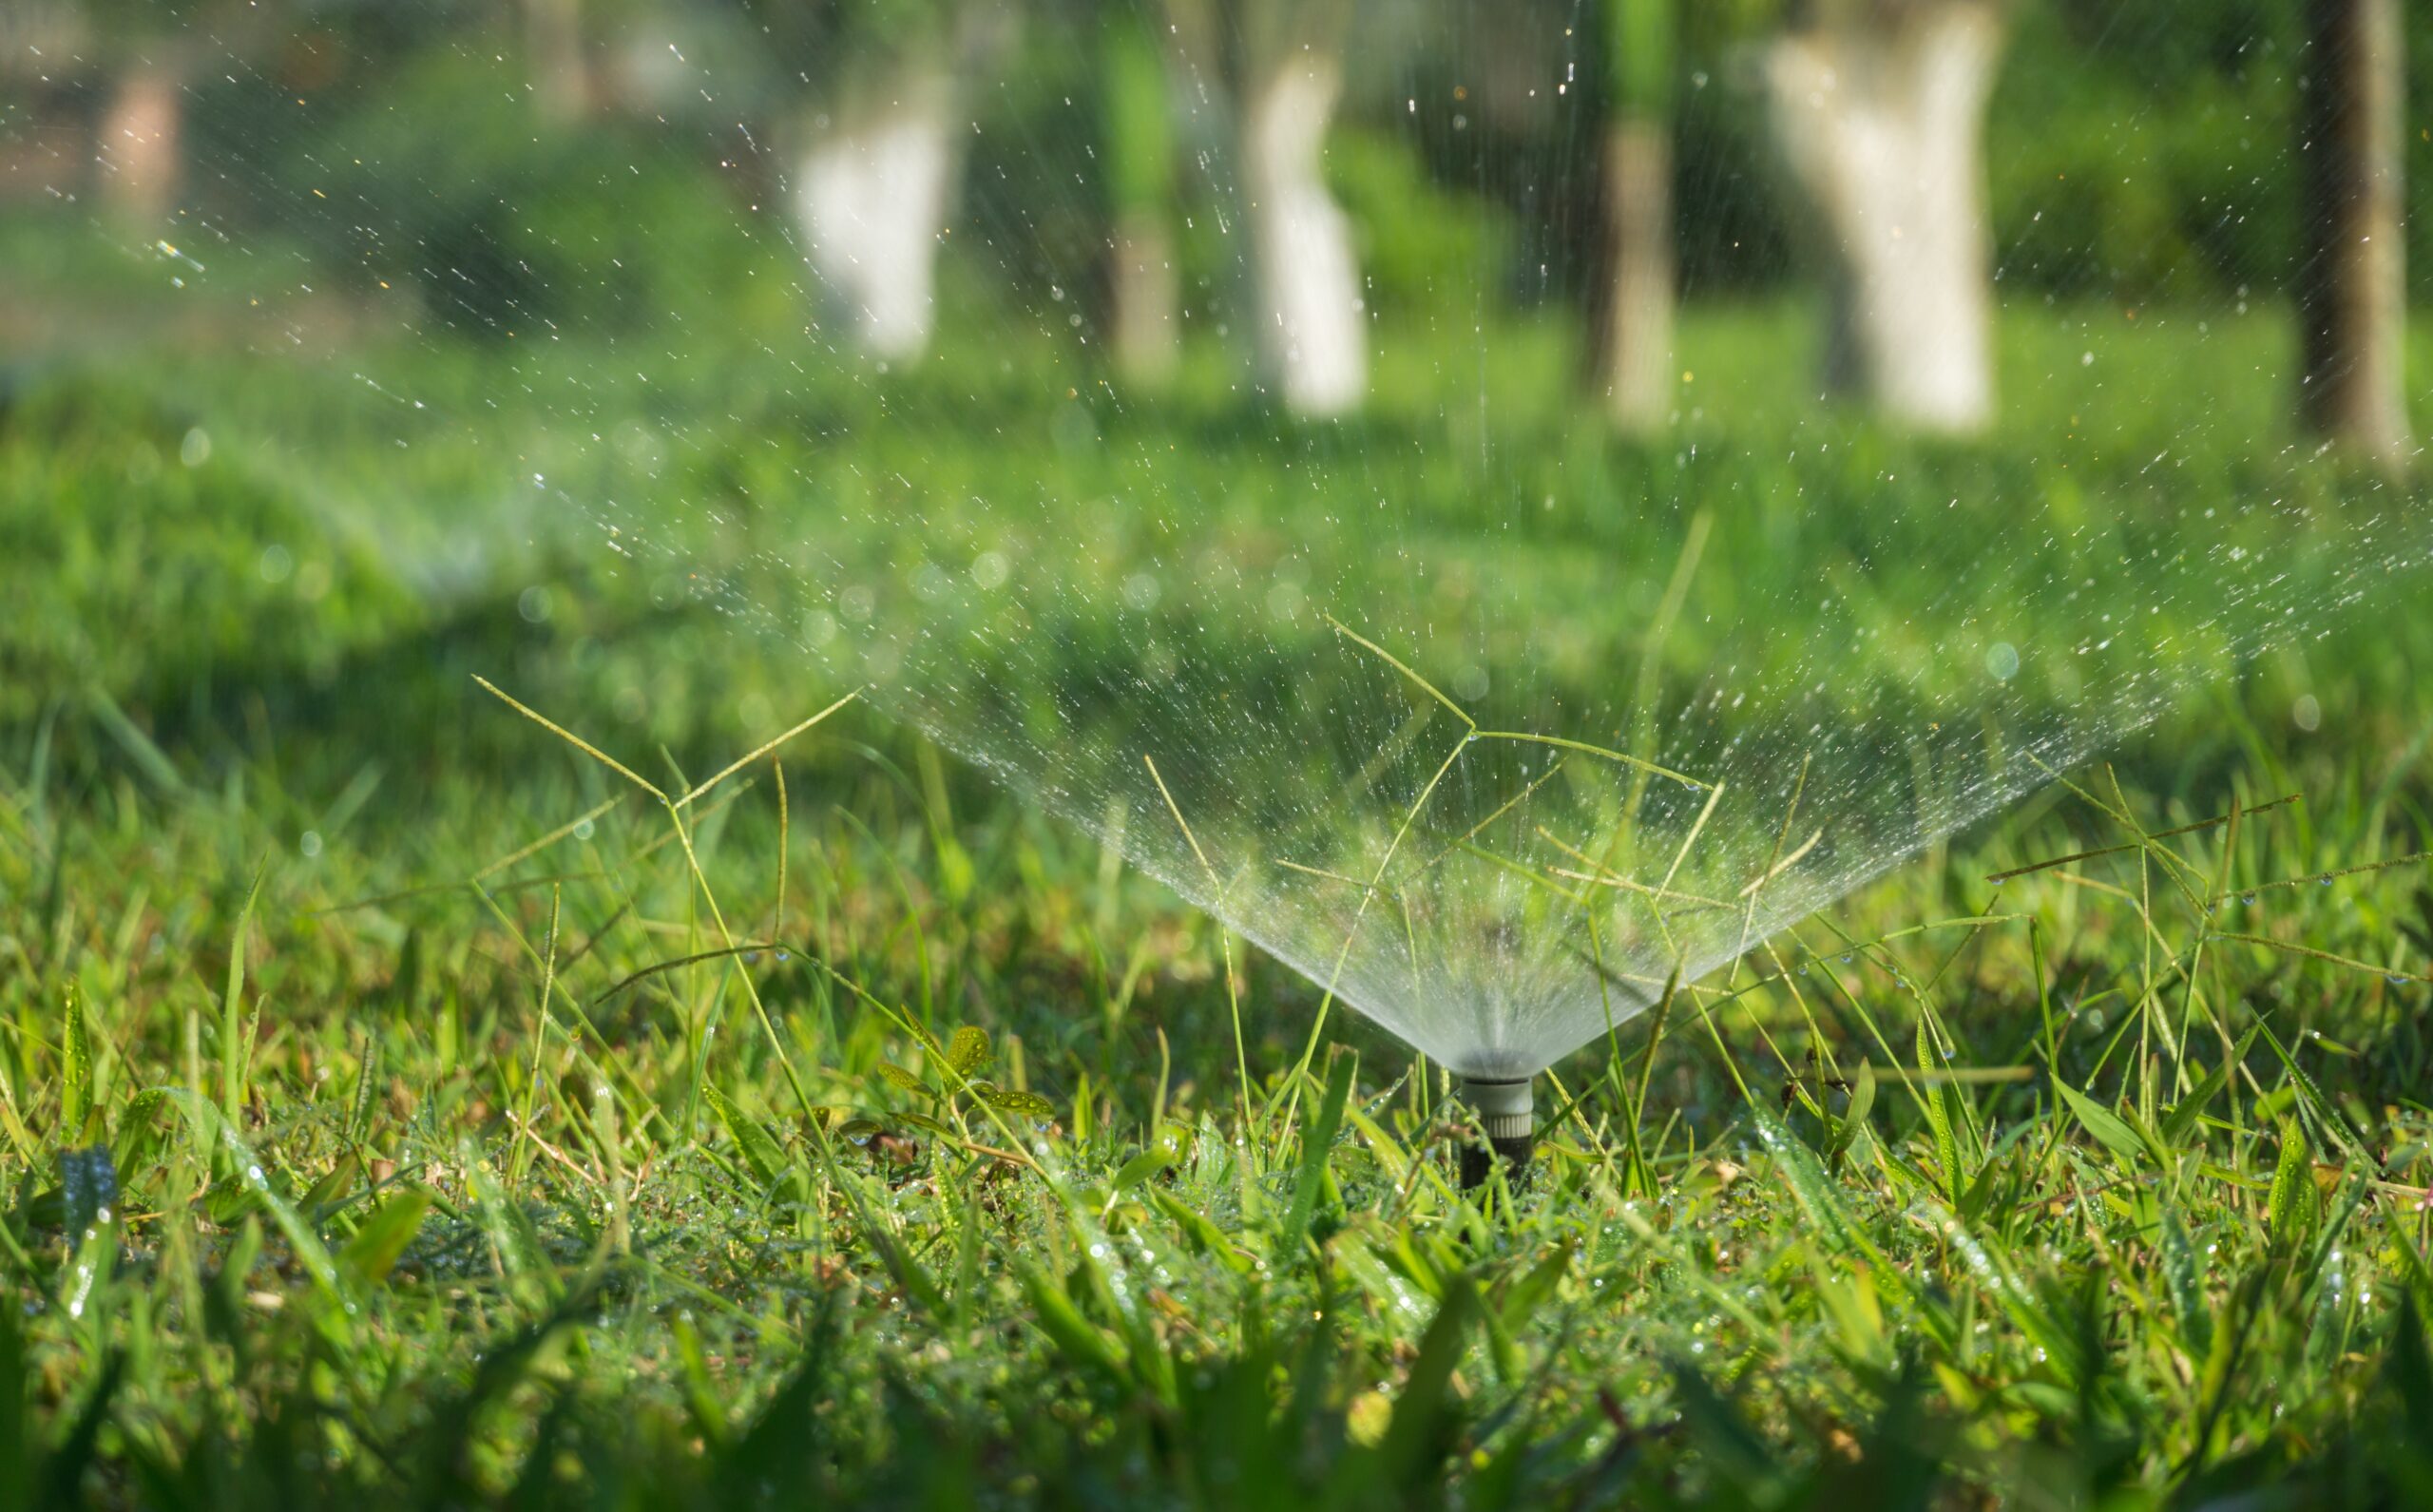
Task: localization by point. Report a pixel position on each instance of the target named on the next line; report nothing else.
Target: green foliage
(2152, 170)
(504, 229)
(1642, 55)
(1424, 245)
(846, 45)
(1138, 134)
(212, 570)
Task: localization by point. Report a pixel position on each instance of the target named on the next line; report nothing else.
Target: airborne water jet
(1064, 569)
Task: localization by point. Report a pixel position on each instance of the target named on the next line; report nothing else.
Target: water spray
(1508, 1117)
(1357, 713)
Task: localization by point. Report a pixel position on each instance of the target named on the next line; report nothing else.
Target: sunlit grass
(683, 1148)
(2119, 1178)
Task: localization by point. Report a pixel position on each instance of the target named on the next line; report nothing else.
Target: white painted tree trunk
(1632, 365)
(872, 193)
(1882, 125)
(1142, 298)
(141, 162)
(559, 66)
(1312, 331)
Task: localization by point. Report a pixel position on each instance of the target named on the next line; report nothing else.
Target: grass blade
(1318, 1142)
(76, 1073)
(233, 1048)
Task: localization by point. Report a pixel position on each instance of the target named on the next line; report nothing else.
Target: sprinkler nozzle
(1510, 1119)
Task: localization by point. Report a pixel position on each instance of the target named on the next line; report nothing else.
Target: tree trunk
(1880, 121)
(554, 48)
(1633, 329)
(1313, 330)
(871, 196)
(1631, 306)
(1141, 295)
(1137, 154)
(142, 163)
(2352, 282)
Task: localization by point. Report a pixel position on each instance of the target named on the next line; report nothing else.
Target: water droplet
(2324, 879)
(2248, 901)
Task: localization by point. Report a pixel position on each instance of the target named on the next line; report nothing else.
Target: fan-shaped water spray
(1220, 485)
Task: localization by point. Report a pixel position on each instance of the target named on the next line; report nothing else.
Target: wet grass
(406, 1106)
(921, 1176)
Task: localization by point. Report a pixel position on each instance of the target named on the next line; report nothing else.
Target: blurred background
(614, 164)
(1911, 211)
(1662, 345)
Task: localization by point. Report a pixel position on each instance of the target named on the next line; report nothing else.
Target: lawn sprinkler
(1508, 1118)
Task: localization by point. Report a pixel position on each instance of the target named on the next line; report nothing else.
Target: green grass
(2107, 1264)
(584, 1179)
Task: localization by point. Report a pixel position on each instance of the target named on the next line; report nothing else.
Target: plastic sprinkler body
(1508, 1116)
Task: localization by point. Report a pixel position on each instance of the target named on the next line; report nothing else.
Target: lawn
(404, 1105)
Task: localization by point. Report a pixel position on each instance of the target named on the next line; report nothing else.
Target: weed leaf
(2110, 1129)
(1010, 1099)
(373, 1253)
(969, 1050)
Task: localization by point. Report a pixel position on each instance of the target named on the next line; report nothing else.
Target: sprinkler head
(1510, 1123)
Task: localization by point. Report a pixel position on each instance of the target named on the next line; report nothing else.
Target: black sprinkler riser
(1508, 1115)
